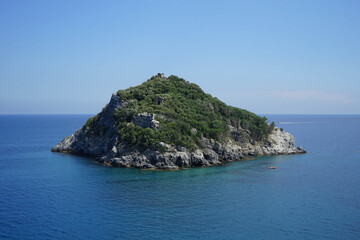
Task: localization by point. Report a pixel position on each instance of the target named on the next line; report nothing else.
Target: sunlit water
(46, 195)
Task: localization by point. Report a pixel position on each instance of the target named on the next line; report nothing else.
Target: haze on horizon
(290, 57)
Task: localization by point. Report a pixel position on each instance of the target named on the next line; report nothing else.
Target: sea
(45, 195)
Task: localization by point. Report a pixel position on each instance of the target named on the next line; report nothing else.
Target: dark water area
(45, 195)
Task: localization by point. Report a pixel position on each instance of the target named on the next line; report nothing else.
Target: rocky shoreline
(107, 148)
(280, 142)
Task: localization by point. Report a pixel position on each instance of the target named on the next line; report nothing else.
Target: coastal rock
(281, 142)
(92, 142)
(182, 159)
(215, 153)
(146, 120)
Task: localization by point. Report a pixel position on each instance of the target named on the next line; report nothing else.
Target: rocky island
(170, 123)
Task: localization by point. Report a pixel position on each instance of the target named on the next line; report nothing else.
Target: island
(169, 123)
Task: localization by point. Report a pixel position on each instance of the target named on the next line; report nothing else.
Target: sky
(269, 57)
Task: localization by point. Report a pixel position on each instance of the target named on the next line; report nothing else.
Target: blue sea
(45, 195)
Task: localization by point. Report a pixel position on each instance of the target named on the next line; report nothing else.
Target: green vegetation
(186, 115)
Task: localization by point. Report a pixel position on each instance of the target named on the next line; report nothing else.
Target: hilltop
(170, 123)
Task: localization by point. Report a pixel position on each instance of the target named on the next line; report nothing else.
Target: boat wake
(297, 122)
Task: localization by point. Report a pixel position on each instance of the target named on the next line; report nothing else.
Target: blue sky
(289, 57)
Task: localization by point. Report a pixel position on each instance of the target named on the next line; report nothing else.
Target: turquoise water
(46, 195)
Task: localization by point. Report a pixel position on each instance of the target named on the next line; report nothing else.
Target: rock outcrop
(146, 120)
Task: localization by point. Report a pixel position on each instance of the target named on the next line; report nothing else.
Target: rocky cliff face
(100, 140)
(97, 140)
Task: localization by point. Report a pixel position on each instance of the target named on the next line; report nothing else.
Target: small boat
(271, 167)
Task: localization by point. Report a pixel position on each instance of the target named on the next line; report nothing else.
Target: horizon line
(255, 113)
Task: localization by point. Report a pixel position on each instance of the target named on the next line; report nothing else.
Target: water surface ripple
(46, 195)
